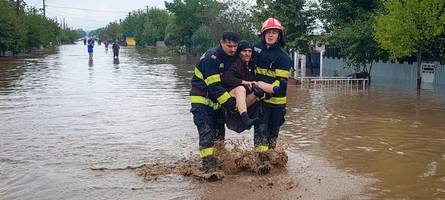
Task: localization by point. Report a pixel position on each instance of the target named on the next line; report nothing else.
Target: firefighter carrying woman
(229, 87)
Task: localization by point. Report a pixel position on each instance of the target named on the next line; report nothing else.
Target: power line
(90, 16)
(85, 9)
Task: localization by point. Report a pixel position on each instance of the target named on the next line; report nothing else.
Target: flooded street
(62, 116)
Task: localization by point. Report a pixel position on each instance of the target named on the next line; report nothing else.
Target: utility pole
(18, 7)
(44, 8)
(64, 23)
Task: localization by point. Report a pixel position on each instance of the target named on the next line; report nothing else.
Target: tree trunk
(419, 64)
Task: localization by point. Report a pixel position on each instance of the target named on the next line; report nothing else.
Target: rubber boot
(248, 122)
(264, 167)
(209, 167)
(209, 164)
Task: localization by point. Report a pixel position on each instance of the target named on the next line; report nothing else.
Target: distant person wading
(116, 48)
(90, 49)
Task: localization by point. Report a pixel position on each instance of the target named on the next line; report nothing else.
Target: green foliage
(298, 22)
(335, 14)
(201, 38)
(236, 17)
(112, 31)
(96, 33)
(349, 27)
(147, 27)
(69, 36)
(356, 43)
(80, 33)
(40, 32)
(12, 29)
(190, 15)
(172, 34)
(27, 29)
(407, 26)
(194, 24)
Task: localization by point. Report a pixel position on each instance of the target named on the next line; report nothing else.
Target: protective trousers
(267, 128)
(210, 124)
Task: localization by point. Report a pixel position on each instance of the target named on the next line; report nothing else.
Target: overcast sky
(90, 15)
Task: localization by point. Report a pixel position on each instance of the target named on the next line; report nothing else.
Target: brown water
(61, 116)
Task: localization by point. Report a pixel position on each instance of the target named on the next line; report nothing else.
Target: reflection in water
(59, 118)
(116, 61)
(396, 137)
(393, 135)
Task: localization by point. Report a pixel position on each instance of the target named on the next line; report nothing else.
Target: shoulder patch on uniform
(213, 57)
(256, 49)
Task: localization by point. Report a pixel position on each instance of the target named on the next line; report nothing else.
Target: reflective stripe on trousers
(210, 125)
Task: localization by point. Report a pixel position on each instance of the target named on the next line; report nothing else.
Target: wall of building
(383, 71)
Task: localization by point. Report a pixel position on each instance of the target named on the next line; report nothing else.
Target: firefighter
(208, 97)
(272, 67)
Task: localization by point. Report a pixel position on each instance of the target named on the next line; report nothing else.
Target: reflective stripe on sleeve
(276, 100)
(223, 98)
(204, 101)
(282, 73)
(265, 72)
(213, 79)
(273, 73)
(276, 83)
(198, 73)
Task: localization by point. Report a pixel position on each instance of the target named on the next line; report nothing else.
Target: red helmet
(272, 23)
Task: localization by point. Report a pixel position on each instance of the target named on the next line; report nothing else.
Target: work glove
(258, 92)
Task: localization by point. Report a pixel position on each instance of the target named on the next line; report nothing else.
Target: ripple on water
(62, 116)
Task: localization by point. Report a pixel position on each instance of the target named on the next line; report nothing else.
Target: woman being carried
(239, 80)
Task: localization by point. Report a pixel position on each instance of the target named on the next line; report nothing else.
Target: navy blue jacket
(206, 81)
(272, 65)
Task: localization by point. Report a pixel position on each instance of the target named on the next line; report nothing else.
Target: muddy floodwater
(61, 117)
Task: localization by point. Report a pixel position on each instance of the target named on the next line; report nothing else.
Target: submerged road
(60, 116)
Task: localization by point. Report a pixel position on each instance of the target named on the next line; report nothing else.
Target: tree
(96, 32)
(349, 26)
(80, 33)
(357, 45)
(297, 17)
(12, 28)
(155, 25)
(235, 16)
(147, 27)
(190, 15)
(24, 27)
(201, 38)
(113, 31)
(407, 26)
(335, 14)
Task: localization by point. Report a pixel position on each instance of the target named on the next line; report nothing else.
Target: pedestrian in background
(90, 50)
(116, 48)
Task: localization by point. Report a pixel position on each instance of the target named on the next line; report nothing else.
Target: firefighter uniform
(207, 97)
(272, 66)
